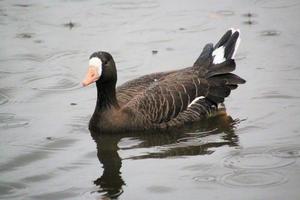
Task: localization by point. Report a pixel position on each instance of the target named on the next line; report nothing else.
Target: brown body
(168, 99)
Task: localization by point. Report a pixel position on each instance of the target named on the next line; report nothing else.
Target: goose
(164, 100)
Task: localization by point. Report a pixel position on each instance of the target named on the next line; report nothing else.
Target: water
(47, 151)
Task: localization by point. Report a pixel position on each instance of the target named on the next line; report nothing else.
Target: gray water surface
(47, 152)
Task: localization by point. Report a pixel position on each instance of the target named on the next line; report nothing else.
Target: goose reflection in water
(194, 140)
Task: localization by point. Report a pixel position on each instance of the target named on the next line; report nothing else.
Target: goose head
(101, 69)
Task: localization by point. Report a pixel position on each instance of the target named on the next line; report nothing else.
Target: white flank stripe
(194, 101)
(218, 55)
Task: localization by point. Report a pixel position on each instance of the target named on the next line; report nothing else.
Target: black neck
(106, 95)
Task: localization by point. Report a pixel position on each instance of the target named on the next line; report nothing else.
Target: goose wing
(165, 99)
(128, 90)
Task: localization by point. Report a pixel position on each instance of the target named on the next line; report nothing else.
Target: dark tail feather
(230, 45)
(222, 51)
(221, 86)
(223, 39)
(226, 48)
(216, 64)
(232, 87)
(222, 68)
(220, 79)
(205, 56)
(228, 79)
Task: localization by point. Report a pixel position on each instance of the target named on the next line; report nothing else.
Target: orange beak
(91, 76)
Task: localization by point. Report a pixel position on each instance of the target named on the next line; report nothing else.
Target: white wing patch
(195, 100)
(218, 55)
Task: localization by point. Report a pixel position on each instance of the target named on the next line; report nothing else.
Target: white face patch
(96, 62)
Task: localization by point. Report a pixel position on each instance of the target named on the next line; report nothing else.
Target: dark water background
(46, 151)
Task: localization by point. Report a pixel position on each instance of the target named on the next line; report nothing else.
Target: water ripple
(133, 5)
(9, 189)
(253, 179)
(23, 57)
(255, 160)
(69, 193)
(276, 96)
(225, 12)
(58, 55)
(22, 5)
(203, 133)
(52, 145)
(270, 33)
(286, 152)
(55, 82)
(205, 178)
(9, 120)
(38, 178)
(32, 61)
(39, 152)
(277, 4)
(3, 99)
(25, 35)
(250, 22)
(159, 189)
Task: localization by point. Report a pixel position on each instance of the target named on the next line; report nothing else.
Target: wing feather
(169, 96)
